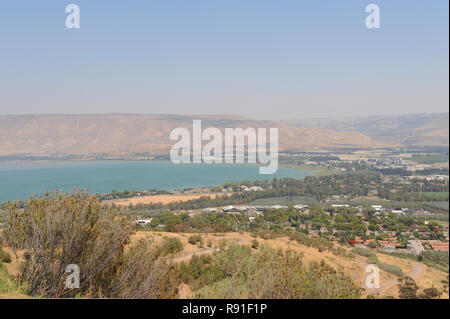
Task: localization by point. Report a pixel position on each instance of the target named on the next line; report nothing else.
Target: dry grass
(357, 198)
(13, 266)
(164, 199)
(354, 267)
(429, 277)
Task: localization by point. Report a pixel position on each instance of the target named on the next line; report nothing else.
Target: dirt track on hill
(354, 267)
(415, 273)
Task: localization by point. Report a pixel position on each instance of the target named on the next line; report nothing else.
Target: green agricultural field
(430, 159)
(436, 194)
(316, 170)
(436, 206)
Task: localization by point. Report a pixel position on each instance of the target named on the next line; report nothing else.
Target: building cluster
(257, 209)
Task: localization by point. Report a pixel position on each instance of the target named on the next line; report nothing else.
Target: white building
(143, 222)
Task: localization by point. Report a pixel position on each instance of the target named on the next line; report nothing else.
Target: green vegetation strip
(373, 259)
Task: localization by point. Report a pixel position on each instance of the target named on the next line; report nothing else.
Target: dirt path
(358, 276)
(415, 273)
(363, 264)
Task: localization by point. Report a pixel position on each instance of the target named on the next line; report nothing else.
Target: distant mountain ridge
(125, 134)
(411, 129)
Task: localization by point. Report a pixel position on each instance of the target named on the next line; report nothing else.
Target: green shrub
(437, 257)
(5, 256)
(321, 244)
(170, 246)
(393, 269)
(373, 260)
(430, 293)
(363, 252)
(200, 271)
(407, 288)
(195, 240)
(274, 274)
(436, 266)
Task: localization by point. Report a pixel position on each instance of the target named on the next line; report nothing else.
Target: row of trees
(318, 188)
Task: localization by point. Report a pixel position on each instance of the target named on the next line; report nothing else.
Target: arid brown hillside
(124, 134)
(411, 129)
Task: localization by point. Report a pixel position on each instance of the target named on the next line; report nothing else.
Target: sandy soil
(370, 198)
(164, 199)
(190, 250)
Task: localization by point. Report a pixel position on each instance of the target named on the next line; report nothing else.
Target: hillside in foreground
(350, 265)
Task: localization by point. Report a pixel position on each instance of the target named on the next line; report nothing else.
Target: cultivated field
(164, 199)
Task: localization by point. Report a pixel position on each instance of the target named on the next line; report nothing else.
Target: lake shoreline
(21, 180)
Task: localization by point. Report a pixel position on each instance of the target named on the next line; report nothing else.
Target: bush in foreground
(65, 229)
(170, 246)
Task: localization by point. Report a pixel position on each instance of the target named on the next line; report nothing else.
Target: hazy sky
(266, 59)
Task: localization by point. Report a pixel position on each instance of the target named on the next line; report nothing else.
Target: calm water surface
(20, 180)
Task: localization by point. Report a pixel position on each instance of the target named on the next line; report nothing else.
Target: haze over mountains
(411, 129)
(125, 134)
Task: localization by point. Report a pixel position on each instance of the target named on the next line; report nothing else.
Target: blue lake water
(20, 180)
